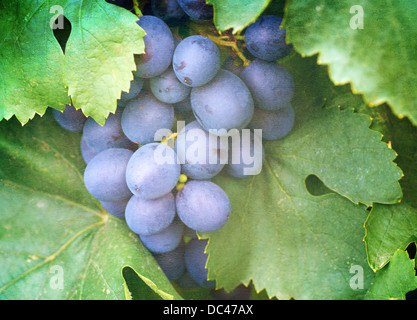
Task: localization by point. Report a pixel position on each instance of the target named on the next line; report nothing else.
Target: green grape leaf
(395, 280)
(103, 45)
(56, 241)
(282, 237)
(139, 287)
(333, 142)
(236, 14)
(96, 67)
(300, 247)
(393, 227)
(31, 61)
(368, 43)
(389, 228)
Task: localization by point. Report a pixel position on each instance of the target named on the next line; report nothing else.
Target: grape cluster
(159, 181)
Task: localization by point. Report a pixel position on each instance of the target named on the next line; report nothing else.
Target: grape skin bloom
(224, 103)
(271, 85)
(110, 135)
(274, 124)
(149, 177)
(144, 116)
(166, 240)
(159, 48)
(147, 217)
(70, 118)
(167, 88)
(197, 9)
(203, 206)
(195, 262)
(104, 176)
(199, 152)
(266, 40)
(196, 61)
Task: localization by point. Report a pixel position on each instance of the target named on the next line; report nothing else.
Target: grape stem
(136, 8)
(231, 42)
(237, 37)
(228, 40)
(169, 137)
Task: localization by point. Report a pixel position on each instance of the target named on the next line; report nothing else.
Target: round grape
(274, 124)
(246, 157)
(199, 152)
(197, 9)
(266, 40)
(115, 208)
(195, 262)
(144, 116)
(172, 263)
(147, 217)
(271, 85)
(159, 48)
(203, 206)
(152, 171)
(196, 60)
(166, 240)
(167, 88)
(110, 135)
(224, 103)
(104, 176)
(70, 119)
